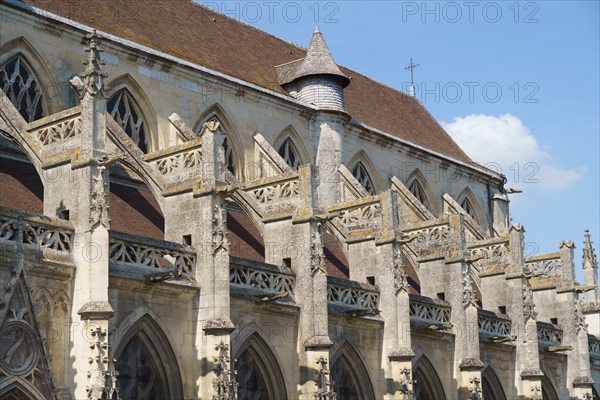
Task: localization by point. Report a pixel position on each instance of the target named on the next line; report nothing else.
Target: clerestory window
(125, 111)
(22, 88)
(288, 152)
(361, 175)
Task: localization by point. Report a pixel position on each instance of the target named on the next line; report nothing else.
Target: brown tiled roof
(192, 32)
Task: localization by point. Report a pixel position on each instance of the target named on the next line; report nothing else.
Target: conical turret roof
(318, 61)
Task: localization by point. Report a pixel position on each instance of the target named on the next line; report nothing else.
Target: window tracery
(288, 152)
(22, 88)
(140, 375)
(344, 384)
(360, 173)
(468, 207)
(123, 108)
(252, 384)
(417, 190)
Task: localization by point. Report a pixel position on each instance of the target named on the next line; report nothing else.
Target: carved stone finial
(400, 280)
(468, 295)
(536, 393)
(99, 205)
(579, 317)
(317, 259)
(528, 304)
(220, 241)
(589, 254)
(225, 386)
(93, 76)
(324, 384)
(475, 388)
(102, 375)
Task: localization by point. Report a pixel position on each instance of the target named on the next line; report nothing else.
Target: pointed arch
(259, 372)
(418, 186)
(361, 159)
(491, 386)
(16, 388)
(39, 65)
(290, 136)
(147, 365)
(548, 390)
(227, 138)
(349, 376)
(131, 108)
(467, 200)
(426, 381)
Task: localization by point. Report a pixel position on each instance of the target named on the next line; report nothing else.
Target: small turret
(316, 78)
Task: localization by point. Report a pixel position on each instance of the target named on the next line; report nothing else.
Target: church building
(202, 210)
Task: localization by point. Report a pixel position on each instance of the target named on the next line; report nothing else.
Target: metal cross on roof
(411, 67)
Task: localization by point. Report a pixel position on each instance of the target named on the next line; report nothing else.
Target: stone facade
(162, 240)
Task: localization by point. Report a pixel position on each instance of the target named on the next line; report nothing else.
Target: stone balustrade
(425, 311)
(179, 163)
(352, 295)
(51, 238)
(544, 270)
(490, 256)
(57, 132)
(151, 254)
(549, 334)
(260, 277)
(358, 219)
(276, 197)
(431, 239)
(493, 326)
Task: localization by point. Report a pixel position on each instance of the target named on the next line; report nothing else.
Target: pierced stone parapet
(493, 326)
(490, 256)
(275, 197)
(429, 240)
(260, 277)
(52, 237)
(549, 334)
(137, 251)
(425, 311)
(179, 163)
(58, 132)
(544, 270)
(351, 294)
(358, 219)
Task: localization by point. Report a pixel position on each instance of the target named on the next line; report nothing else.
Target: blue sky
(515, 83)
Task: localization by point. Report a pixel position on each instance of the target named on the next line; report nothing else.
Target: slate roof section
(199, 35)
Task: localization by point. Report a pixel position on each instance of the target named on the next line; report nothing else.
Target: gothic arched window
(228, 153)
(468, 207)
(125, 111)
(22, 88)
(258, 374)
(344, 383)
(288, 152)
(251, 378)
(141, 376)
(360, 173)
(417, 190)
(491, 386)
(426, 384)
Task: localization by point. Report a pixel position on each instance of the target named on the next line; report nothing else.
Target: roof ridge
(239, 21)
(300, 47)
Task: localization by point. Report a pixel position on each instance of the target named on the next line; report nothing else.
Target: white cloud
(505, 145)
